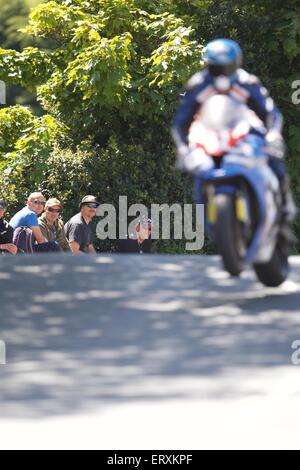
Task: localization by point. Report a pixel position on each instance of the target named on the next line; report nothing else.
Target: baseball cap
(89, 199)
(53, 202)
(1, 204)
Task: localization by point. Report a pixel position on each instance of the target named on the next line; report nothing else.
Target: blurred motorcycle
(240, 192)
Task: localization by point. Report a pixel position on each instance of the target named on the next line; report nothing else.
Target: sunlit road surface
(121, 352)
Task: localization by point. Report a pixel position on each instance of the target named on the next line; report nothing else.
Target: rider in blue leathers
(223, 75)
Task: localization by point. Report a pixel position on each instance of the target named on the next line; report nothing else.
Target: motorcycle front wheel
(228, 235)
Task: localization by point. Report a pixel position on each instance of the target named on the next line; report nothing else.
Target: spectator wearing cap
(28, 218)
(140, 242)
(79, 230)
(6, 233)
(52, 226)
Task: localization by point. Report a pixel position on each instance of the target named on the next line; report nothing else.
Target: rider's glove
(274, 145)
(194, 162)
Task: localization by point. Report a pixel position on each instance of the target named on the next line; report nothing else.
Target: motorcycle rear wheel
(275, 272)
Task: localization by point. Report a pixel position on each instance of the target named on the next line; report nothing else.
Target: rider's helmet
(222, 57)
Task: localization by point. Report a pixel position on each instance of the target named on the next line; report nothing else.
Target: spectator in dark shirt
(6, 233)
(140, 242)
(79, 230)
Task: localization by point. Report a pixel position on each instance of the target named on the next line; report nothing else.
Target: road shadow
(86, 332)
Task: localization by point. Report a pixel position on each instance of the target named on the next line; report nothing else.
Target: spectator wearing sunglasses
(52, 226)
(79, 230)
(6, 233)
(28, 218)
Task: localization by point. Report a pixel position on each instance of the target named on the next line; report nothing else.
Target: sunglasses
(92, 206)
(56, 211)
(39, 203)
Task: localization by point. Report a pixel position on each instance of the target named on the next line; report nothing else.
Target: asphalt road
(138, 352)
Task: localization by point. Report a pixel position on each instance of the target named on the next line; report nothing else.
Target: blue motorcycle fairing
(255, 178)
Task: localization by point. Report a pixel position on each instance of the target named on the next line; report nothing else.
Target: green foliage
(108, 68)
(110, 85)
(118, 69)
(13, 16)
(27, 68)
(25, 144)
(13, 122)
(109, 74)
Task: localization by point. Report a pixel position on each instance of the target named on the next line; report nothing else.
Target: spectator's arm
(10, 247)
(43, 231)
(10, 235)
(33, 223)
(91, 249)
(75, 248)
(62, 239)
(38, 235)
(75, 238)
